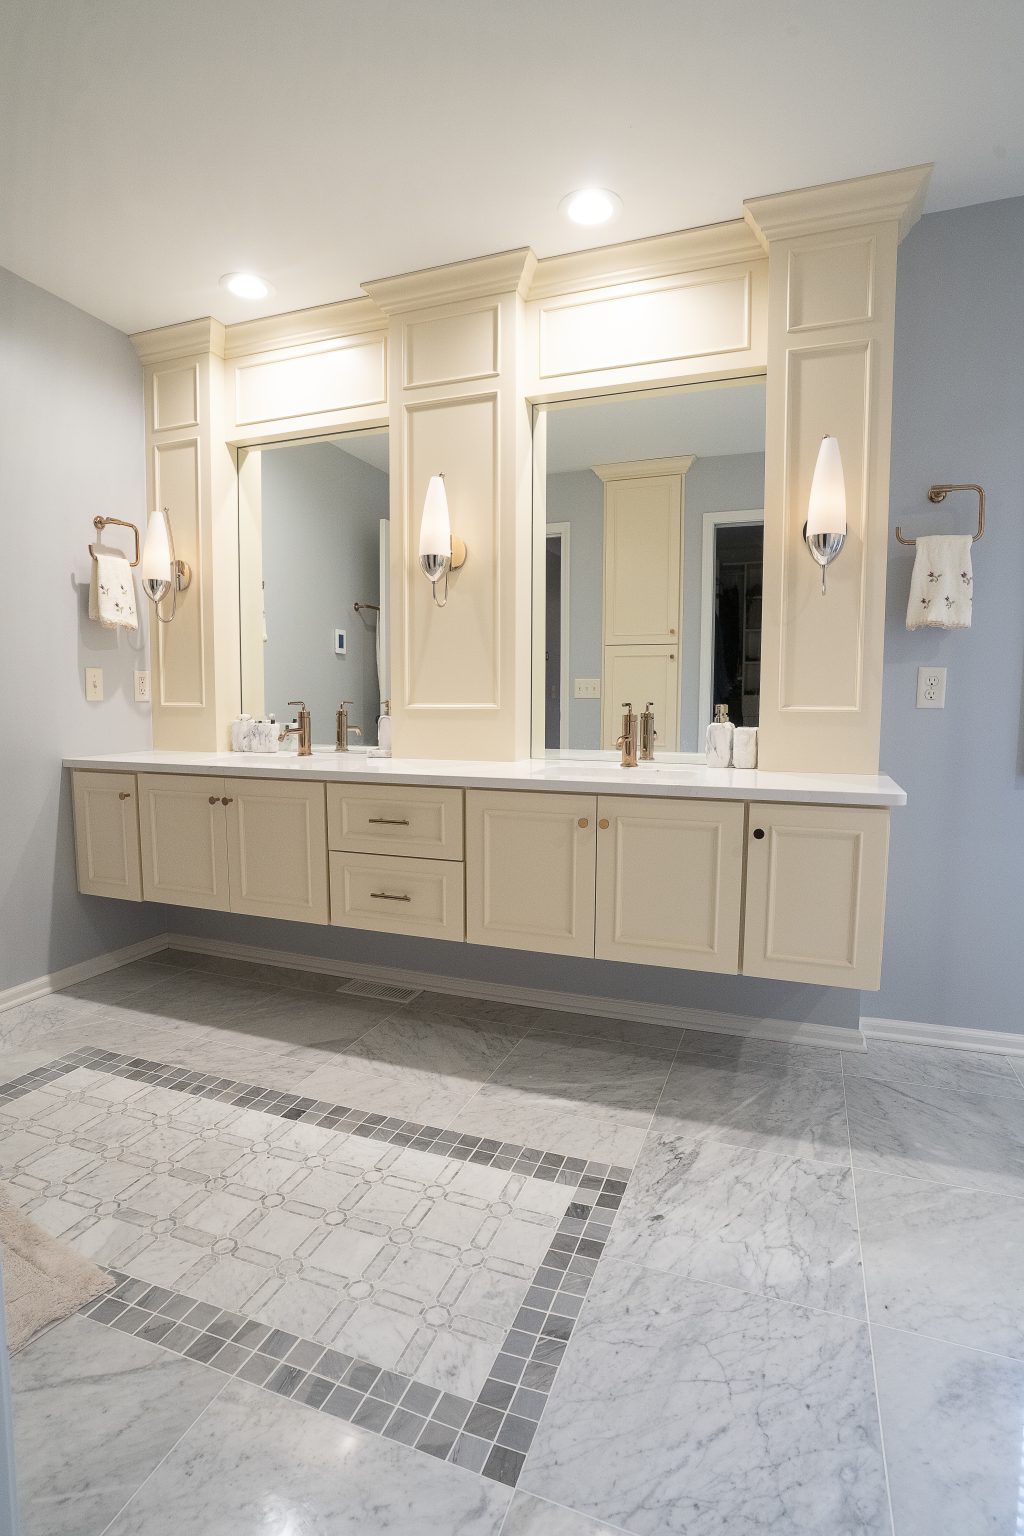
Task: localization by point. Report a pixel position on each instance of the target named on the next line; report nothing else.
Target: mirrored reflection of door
(556, 636)
(736, 676)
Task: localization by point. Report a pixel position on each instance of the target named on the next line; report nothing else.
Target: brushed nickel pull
(584, 821)
(124, 794)
(387, 896)
(388, 821)
(604, 823)
(671, 631)
(227, 799)
(213, 799)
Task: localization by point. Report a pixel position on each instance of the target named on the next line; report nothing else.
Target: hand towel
(941, 588)
(112, 591)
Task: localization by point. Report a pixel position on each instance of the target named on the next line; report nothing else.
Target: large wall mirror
(313, 580)
(652, 566)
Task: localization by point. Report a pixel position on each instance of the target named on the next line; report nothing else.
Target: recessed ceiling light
(591, 205)
(246, 285)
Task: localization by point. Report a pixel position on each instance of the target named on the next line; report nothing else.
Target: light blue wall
(955, 928)
(577, 498)
(71, 446)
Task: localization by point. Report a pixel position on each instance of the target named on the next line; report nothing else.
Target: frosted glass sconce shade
(825, 528)
(161, 572)
(440, 550)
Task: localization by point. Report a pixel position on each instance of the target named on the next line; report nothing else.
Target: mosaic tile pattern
(421, 1283)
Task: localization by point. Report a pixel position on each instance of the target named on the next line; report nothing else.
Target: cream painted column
(190, 470)
(831, 299)
(460, 675)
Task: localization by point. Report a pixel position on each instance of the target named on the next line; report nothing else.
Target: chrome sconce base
(824, 548)
(434, 567)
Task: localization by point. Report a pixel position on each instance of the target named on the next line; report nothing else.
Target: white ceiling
(147, 148)
(707, 421)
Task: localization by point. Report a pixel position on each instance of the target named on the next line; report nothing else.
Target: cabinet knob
(604, 823)
(671, 631)
(759, 833)
(226, 799)
(213, 799)
(124, 794)
(584, 821)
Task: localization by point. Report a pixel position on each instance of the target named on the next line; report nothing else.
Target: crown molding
(639, 469)
(483, 277)
(185, 340)
(297, 327)
(877, 199)
(685, 250)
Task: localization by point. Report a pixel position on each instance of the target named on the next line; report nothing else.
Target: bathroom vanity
(740, 872)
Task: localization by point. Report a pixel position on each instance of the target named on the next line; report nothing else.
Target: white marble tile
(446, 1006)
(257, 1462)
(94, 1412)
(943, 1261)
(970, 1136)
(224, 1281)
(762, 1221)
(56, 1020)
(586, 1027)
(530, 1516)
(699, 1411)
(921, 1065)
(756, 1094)
(375, 1332)
(301, 1306)
(952, 1421)
(460, 1356)
(15, 1063)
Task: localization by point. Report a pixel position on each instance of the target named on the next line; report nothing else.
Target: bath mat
(44, 1281)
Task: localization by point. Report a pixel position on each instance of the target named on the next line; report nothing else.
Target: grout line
(935, 1338)
(867, 1313)
(606, 1525)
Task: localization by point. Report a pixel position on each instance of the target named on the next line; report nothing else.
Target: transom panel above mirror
(651, 573)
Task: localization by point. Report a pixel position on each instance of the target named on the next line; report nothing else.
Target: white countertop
(674, 780)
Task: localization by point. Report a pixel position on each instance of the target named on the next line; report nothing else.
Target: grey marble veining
(943, 1261)
(767, 1222)
(972, 1136)
(916, 1066)
(588, 1027)
(261, 1463)
(530, 1516)
(94, 1413)
(699, 1411)
(952, 1421)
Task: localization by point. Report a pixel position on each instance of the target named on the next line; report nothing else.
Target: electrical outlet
(142, 688)
(586, 687)
(94, 684)
(931, 687)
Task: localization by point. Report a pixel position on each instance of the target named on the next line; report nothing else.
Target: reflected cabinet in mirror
(313, 564)
(652, 567)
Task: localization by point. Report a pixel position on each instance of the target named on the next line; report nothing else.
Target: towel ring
(99, 523)
(938, 493)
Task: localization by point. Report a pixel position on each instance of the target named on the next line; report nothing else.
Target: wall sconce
(825, 528)
(161, 571)
(440, 550)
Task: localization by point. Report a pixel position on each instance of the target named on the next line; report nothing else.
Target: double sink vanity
(778, 875)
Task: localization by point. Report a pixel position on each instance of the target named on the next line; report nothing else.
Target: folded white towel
(941, 588)
(112, 591)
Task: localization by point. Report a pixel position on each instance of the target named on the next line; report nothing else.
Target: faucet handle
(345, 703)
(627, 707)
(300, 702)
(650, 704)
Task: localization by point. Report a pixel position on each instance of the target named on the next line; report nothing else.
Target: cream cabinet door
(670, 882)
(639, 673)
(815, 904)
(107, 835)
(184, 840)
(277, 849)
(642, 535)
(530, 870)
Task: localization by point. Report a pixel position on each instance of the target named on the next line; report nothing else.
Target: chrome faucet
(304, 729)
(344, 730)
(648, 735)
(627, 740)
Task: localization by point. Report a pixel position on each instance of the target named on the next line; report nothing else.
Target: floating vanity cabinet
(385, 818)
(530, 870)
(235, 845)
(423, 897)
(815, 901)
(107, 835)
(670, 882)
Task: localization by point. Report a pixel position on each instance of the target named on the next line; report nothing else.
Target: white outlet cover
(143, 692)
(587, 687)
(931, 687)
(94, 684)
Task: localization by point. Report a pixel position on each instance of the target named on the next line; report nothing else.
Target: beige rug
(44, 1281)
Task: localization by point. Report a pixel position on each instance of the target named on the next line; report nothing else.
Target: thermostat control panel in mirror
(313, 582)
(653, 525)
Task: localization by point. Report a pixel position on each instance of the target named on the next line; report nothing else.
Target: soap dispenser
(718, 742)
(384, 730)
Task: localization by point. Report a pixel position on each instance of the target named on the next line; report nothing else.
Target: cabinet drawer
(421, 823)
(425, 897)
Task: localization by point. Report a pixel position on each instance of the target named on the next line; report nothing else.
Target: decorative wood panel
(175, 397)
(319, 380)
(181, 645)
(831, 284)
(453, 348)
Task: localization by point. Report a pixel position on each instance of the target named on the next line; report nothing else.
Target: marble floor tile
(591, 1026)
(445, 1006)
(951, 1420)
(970, 1136)
(530, 1516)
(589, 1099)
(766, 1222)
(51, 1020)
(118, 985)
(756, 1094)
(942, 1261)
(15, 1063)
(423, 1068)
(915, 1065)
(699, 1411)
(260, 1463)
(94, 1412)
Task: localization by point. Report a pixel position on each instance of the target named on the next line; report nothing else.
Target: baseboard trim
(27, 991)
(950, 1037)
(711, 1021)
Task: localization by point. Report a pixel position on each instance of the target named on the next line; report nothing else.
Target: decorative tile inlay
(421, 1282)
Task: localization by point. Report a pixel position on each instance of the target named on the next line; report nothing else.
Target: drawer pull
(389, 821)
(584, 821)
(124, 794)
(214, 799)
(387, 896)
(604, 823)
(227, 799)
